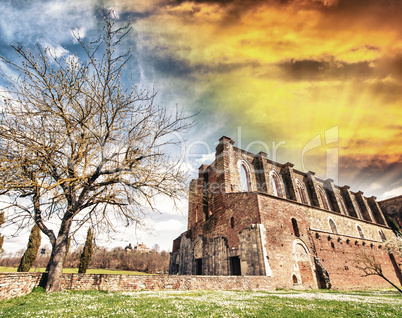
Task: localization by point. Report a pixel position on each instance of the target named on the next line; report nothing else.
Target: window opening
(323, 198)
(205, 197)
(243, 178)
(382, 236)
(177, 264)
(235, 266)
(276, 185)
(232, 223)
(295, 228)
(198, 266)
(359, 229)
(301, 190)
(333, 226)
(295, 281)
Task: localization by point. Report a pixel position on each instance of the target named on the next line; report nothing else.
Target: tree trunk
(56, 261)
(400, 290)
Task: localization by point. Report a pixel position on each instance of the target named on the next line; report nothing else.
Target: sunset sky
(320, 75)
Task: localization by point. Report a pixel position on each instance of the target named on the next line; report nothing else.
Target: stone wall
(19, 284)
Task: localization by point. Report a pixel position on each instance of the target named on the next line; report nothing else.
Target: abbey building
(249, 215)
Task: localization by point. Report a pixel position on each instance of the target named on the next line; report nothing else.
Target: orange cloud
(285, 71)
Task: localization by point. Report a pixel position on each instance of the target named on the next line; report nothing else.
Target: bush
(31, 252)
(86, 255)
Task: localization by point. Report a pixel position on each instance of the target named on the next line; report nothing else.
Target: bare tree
(78, 146)
(369, 265)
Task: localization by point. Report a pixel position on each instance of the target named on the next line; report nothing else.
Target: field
(205, 304)
(75, 270)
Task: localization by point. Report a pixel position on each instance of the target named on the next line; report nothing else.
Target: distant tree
(1, 236)
(156, 248)
(86, 255)
(80, 145)
(31, 252)
(394, 227)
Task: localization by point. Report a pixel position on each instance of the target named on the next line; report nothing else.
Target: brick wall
(328, 231)
(19, 284)
(339, 253)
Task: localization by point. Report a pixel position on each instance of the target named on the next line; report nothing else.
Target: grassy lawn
(75, 270)
(205, 304)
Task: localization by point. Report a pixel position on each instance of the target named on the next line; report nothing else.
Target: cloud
(55, 51)
(171, 226)
(206, 158)
(140, 5)
(44, 21)
(375, 186)
(280, 70)
(373, 163)
(391, 193)
(78, 33)
(325, 69)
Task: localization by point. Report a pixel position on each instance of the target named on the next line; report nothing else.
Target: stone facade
(251, 216)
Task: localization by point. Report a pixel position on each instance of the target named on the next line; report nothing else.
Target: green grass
(205, 304)
(75, 270)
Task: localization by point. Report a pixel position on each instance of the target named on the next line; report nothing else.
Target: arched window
(323, 198)
(276, 185)
(299, 247)
(244, 178)
(295, 281)
(333, 226)
(295, 228)
(302, 191)
(382, 236)
(360, 231)
(232, 222)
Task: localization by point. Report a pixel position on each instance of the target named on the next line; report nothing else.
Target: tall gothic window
(323, 198)
(244, 178)
(302, 191)
(295, 228)
(276, 185)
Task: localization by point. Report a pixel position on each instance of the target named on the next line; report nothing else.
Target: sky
(314, 82)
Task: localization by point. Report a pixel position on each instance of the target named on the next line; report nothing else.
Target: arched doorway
(304, 264)
(198, 255)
